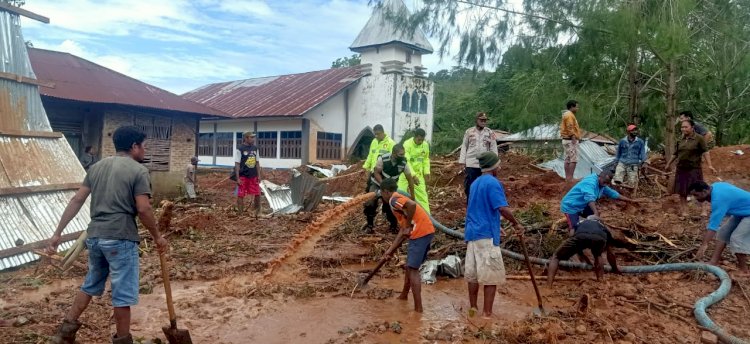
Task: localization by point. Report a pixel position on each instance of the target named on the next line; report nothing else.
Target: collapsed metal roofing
(39, 172)
(549, 132)
(381, 30)
(78, 79)
(592, 158)
(284, 95)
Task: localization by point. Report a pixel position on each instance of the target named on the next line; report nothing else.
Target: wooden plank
(38, 188)
(25, 80)
(22, 12)
(14, 251)
(29, 134)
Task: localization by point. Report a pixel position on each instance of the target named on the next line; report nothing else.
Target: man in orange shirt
(416, 225)
(570, 133)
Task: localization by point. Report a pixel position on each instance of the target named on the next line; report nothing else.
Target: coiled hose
(700, 306)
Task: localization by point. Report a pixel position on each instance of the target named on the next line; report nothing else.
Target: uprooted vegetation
(219, 260)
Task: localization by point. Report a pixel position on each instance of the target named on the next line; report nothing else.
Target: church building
(328, 115)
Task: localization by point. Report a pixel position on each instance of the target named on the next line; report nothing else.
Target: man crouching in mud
(593, 235)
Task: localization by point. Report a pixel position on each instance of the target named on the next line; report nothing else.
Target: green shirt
(114, 183)
(689, 150)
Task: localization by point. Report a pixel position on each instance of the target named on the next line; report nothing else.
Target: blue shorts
(117, 259)
(416, 252)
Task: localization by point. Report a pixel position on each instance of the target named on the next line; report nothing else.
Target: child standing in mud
(416, 225)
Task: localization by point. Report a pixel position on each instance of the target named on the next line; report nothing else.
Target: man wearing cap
(381, 144)
(247, 167)
(190, 178)
(591, 235)
(484, 260)
(477, 140)
(570, 133)
(580, 201)
(631, 154)
(388, 166)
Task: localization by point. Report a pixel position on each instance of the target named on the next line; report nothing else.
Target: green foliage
(599, 52)
(346, 61)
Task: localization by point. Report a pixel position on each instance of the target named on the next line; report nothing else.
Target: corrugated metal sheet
(550, 132)
(307, 191)
(79, 79)
(278, 197)
(285, 95)
(24, 161)
(592, 158)
(379, 30)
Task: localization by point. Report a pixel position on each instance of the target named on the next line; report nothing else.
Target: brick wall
(182, 148)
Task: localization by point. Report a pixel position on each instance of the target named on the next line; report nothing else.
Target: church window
(423, 103)
(414, 102)
(408, 57)
(329, 146)
(405, 102)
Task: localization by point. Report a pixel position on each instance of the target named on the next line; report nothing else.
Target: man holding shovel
(484, 260)
(120, 189)
(416, 225)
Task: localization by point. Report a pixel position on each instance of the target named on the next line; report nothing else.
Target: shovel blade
(177, 336)
(539, 312)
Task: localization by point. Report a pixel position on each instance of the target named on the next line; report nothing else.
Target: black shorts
(578, 243)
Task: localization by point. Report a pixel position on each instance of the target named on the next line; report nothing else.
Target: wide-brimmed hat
(488, 161)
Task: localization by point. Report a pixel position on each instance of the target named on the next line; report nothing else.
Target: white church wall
(409, 120)
(329, 117)
(370, 103)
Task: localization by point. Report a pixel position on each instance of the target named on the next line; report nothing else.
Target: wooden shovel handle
(167, 289)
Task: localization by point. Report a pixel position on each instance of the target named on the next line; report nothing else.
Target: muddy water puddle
(316, 320)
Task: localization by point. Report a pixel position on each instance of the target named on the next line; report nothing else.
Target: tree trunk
(633, 85)
(671, 98)
(720, 124)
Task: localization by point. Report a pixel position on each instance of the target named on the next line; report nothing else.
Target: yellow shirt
(378, 148)
(569, 126)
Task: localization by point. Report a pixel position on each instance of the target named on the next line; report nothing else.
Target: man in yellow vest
(382, 144)
(418, 158)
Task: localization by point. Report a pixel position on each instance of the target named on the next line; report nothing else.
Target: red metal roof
(82, 80)
(285, 95)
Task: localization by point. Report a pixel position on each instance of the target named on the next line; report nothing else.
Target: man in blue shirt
(581, 199)
(726, 200)
(484, 261)
(631, 154)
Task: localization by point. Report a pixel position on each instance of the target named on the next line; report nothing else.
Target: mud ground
(289, 279)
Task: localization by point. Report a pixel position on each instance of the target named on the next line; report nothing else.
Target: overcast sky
(181, 45)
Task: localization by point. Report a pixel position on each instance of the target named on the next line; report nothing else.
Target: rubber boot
(368, 228)
(122, 340)
(66, 333)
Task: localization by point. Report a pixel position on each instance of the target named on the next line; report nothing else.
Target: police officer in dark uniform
(388, 166)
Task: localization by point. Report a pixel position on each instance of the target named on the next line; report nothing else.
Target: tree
(625, 60)
(346, 61)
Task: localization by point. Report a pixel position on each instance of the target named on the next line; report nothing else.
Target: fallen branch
(743, 291)
(58, 259)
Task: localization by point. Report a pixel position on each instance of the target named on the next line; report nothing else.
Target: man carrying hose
(484, 260)
(388, 166)
(580, 201)
(120, 189)
(416, 225)
(591, 234)
(726, 200)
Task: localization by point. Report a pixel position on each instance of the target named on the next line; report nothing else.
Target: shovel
(539, 310)
(174, 335)
(386, 256)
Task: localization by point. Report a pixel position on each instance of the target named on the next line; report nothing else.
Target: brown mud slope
(313, 260)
